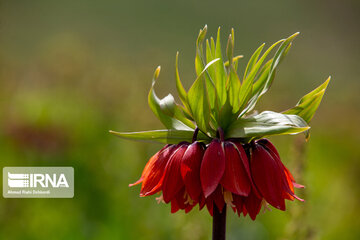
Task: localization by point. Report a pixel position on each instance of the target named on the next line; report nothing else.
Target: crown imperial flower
(216, 153)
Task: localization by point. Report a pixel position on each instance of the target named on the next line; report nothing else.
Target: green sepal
(170, 136)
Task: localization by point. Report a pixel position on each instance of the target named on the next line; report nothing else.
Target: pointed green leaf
(180, 88)
(166, 109)
(199, 58)
(220, 80)
(209, 58)
(234, 85)
(230, 49)
(200, 65)
(309, 103)
(280, 53)
(247, 85)
(170, 108)
(263, 75)
(226, 115)
(199, 102)
(235, 59)
(265, 124)
(213, 47)
(169, 136)
(253, 60)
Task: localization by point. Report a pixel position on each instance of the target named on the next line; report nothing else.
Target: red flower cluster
(219, 174)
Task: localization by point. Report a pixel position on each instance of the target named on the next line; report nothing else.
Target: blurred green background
(72, 70)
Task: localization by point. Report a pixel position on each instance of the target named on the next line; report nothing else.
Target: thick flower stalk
(216, 153)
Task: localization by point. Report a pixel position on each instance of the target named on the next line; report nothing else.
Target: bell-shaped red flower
(219, 174)
(174, 170)
(225, 175)
(273, 180)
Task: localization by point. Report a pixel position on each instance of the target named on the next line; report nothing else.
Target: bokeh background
(72, 70)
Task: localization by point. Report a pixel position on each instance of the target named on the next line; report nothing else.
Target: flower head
(216, 153)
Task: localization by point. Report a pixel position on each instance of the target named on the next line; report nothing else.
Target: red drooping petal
(154, 171)
(212, 167)
(289, 175)
(190, 169)
(147, 166)
(267, 176)
(202, 201)
(182, 201)
(271, 147)
(174, 206)
(180, 198)
(298, 185)
(288, 179)
(243, 157)
(235, 178)
(172, 182)
(245, 162)
(216, 198)
(252, 205)
(210, 206)
(238, 201)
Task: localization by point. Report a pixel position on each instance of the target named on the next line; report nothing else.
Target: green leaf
(230, 49)
(233, 82)
(226, 115)
(265, 124)
(180, 88)
(247, 85)
(209, 58)
(166, 109)
(170, 108)
(169, 136)
(220, 80)
(199, 102)
(262, 77)
(213, 47)
(199, 58)
(234, 86)
(253, 60)
(235, 59)
(200, 65)
(309, 103)
(280, 53)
